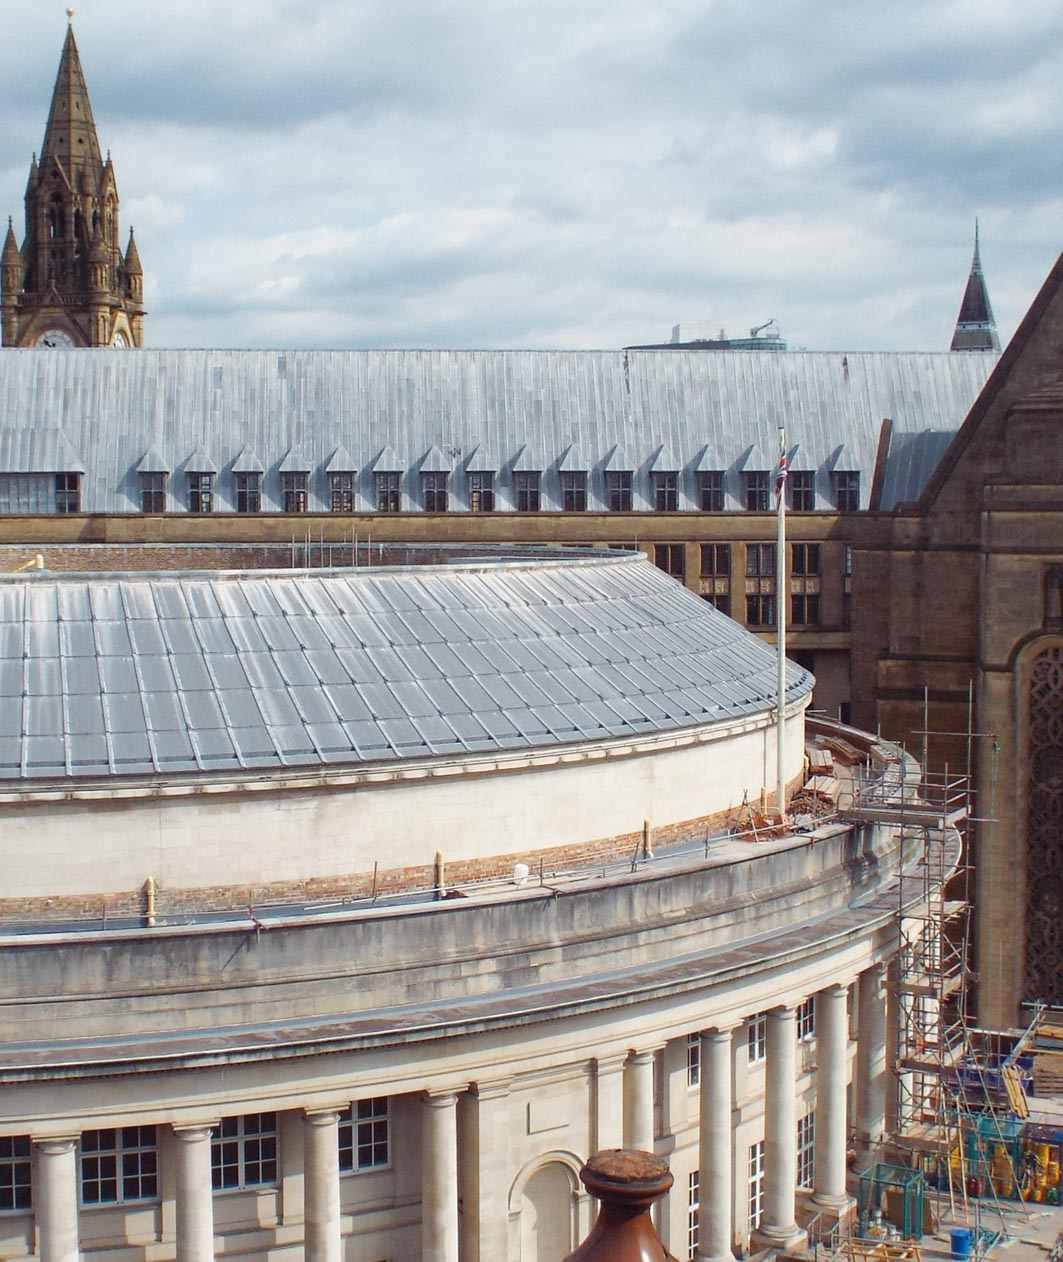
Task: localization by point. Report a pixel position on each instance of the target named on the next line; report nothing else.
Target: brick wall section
(392, 881)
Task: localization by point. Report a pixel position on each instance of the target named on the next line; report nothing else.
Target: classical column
(195, 1194)
(779, 1223)
(439, 1191)
(321, 1150)
(832, 1038)
(715, 1147)
(638, 1101)
(484, 1152)
(870, 1066)
(607, 1124)
(56, 1199)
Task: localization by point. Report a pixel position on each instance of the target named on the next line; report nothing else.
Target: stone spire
(70, 136)
(975, 327)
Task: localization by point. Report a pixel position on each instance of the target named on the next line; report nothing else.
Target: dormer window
(201, 492)
(68, 492)
(248, 487)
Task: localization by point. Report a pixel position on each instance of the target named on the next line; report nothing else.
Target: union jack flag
(780, 480)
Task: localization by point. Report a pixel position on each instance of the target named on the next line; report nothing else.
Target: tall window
(434, 491)
(806, 1151)
(200, 492)
(365, 1135)
(119, 1165)
(153, 492)
(341, 492)
(755, 1184)
(386, 486)
(482, 492)
(760, 610)
(804, 609)
(757, 1037)
(294, 489)
(671, 557)
(618, 490)
(693, 1060)
(693, 1206)
(756, 490)
(804, 559)
(15, 1178)
(243, 1151)
(845, 484)
(248, 492)
(806, 1019)
(715, 560)
(67, 492)
(760, 560)
(573, 490)
(710, 490)
(802, 483)
(526, 491)
(666, 492)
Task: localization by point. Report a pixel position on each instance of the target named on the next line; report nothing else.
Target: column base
(792, 1239)
(714, 1257)
(832, 1204)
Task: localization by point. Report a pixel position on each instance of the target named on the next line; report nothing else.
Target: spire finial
(70, 15)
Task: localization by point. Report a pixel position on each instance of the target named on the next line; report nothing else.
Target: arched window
(1043, 971)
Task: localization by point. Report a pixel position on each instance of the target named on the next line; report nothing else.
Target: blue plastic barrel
(961, 1242)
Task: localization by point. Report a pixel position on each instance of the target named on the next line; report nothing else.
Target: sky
(562, 173)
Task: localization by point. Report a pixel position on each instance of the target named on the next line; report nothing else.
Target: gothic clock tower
(71, 284)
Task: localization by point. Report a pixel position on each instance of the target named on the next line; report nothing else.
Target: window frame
(805, 1017)
(665, 490)
(802, 484)
(200, 492)
(573, 490)
(669, 552)
(806, 560)
(341, 491)
(760, 560)
(755, 1165)
(387, 491)
(527, 490)
(619, 485)
(247, 492)
(365, 1125)
(253, 1148)
(756, 490)
(129, 1161)
(435, 490)
(16, 1174)
(481, 489)
(295, 491)
(845, 488)
(153, 491)
(804, 609)
(694, 1060)
(715, 560)
(806, 1150)
(757, 1038)
(67, 493)
(710, 490)
(693, 1212)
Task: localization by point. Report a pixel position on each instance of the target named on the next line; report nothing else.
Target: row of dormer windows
(571, 494)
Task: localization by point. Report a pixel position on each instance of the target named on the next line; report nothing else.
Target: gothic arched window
(1043, 970)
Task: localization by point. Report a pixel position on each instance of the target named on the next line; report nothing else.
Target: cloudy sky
(562, 173)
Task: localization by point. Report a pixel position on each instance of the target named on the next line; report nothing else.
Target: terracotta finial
(626, 1182)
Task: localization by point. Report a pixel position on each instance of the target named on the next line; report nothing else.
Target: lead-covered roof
(104, 676)
(547, 410)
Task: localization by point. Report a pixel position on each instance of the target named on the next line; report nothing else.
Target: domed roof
(135, 674)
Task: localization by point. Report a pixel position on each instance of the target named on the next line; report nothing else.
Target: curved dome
(146, 673)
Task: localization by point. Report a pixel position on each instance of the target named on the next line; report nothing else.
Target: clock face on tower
(120, 342)
(55, 339)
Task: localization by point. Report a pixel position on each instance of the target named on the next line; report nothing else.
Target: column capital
(325, 1115)
(836, 990)
(193, 1132)
(440, 1099)
(610, 1063)
(718, 1034)
(783, 1011)
(643, 1055)
(55, 1145)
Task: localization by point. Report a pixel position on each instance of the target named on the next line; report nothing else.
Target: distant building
(975, 327)
(704, 337)
(71, 284)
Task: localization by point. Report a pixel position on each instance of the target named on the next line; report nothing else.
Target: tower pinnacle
(975, 327)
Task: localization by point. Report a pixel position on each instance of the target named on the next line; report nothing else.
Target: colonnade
(624, 1108)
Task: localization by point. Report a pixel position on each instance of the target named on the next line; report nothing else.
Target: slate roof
(389, 408)
(139, 674)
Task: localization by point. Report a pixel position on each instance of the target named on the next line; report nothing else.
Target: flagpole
(780, 623)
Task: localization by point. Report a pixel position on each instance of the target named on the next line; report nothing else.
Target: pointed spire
(975, 327)
(132, 257)
(11, 255)
(70, 136)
